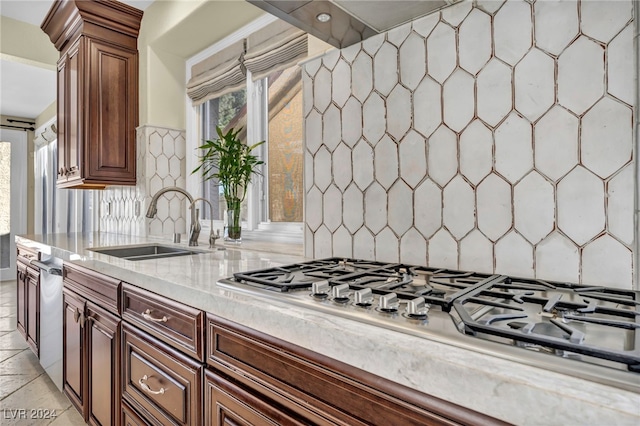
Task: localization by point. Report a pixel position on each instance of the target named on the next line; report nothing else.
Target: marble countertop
(511, 391)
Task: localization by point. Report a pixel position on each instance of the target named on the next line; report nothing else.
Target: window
(268, 109)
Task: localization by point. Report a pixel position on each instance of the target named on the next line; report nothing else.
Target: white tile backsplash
(496, 136)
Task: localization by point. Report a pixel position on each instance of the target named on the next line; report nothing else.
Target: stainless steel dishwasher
(51, 317)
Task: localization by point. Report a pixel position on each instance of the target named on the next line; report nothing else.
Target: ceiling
(25, 89)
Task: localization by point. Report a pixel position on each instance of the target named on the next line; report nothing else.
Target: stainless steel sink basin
(145, 252)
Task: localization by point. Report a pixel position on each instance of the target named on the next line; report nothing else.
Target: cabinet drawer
(130, 417)
(26, 254)
(162, 384)
(98, 288)
(174, 323)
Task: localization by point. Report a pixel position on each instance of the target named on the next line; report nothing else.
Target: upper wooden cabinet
(97, 91)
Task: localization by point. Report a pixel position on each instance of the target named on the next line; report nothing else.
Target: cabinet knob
(77, 316)
(147, 315)
(146, 387)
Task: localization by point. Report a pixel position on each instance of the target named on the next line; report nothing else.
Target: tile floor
(23, 384)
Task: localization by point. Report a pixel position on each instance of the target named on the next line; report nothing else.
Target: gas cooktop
(592, 331)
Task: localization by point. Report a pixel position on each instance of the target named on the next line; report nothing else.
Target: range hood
(349, 21)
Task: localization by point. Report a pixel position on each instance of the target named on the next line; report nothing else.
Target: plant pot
(234, 222)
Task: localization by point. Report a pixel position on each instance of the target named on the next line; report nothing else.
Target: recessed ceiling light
(323, 17)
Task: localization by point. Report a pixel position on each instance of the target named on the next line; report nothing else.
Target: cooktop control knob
(363, 297)
(340, 293)
(320, 289)
(389, 302)
(416, 308)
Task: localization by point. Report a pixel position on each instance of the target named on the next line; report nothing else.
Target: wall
(495, 138)
(26, 43)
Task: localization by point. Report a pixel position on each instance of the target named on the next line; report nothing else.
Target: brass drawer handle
(146, 387)
(146, 315)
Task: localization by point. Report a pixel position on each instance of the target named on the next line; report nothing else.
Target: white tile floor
(26, 392)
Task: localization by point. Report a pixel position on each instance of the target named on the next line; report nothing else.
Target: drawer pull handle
(146, 387)
(146, 315)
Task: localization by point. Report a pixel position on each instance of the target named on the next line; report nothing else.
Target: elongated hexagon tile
(620, 70)
(413, 161)
(494, 207)
(476, 253)
(352, 117)
(341, 164)
(556, 24)
(581, 75)
(476, 152)
(362, 155)
(606, 262)
(603, 20)
(175, 167)
(441, 52)
(313, 66)
(385, 68)
(514, 256)
(514, 151)
(375, 208)
(322, 89)
(331, 58)
(351, 53)
(342, 243)
(443, 250)
(413, 248)
(322, 242)
(341, 82)
(474, 41)
(557, 259)
(308, 242)
(427, 106)
(168, 145)
(426, 24)
(313, 207)
(374, 116)
(373, 44)
(387, 246)
(443, 155)
(155, 144)
(399, 34)
(454, 15)
(353, 208)
(400, 215)
(606, 137)
(162, 166)
(331, 127)
(412, 61)
(175, 208)
(362, 76)
(620, 205)
(512, 28)
(386, 162)
(313, 131)
(399, 106)
(494, 92)
(332, 208)
(534, 84)
(534, 207)
(363, 245)
(581, 205)
(307, 94)
(308, 170)
(490, 6)
(458, 207)
(458, 99)
(427, 208)
(556, 143)
(322, 169)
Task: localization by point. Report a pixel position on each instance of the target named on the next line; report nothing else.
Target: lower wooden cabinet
(21, 291)
(74, 369)
(28, 305)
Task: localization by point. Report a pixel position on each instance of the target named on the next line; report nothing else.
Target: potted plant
(230, 161)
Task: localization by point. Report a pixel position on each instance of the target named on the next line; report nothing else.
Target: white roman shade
(273, 48)
(217, 75)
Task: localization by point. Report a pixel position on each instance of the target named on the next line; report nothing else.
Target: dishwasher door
(51, 317)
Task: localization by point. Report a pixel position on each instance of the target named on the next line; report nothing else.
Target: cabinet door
(62, 118)
(113, 112)
(74, 109)
(33, 310)
(74, 374)
(103, 344)
(227, 403)
(21, 294)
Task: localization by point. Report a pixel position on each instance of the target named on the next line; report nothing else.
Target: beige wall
(26, 43)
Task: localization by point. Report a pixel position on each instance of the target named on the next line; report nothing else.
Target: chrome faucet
(212, 237)
(194, 230)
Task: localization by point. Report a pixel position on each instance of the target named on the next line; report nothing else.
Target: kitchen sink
(146, 252)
